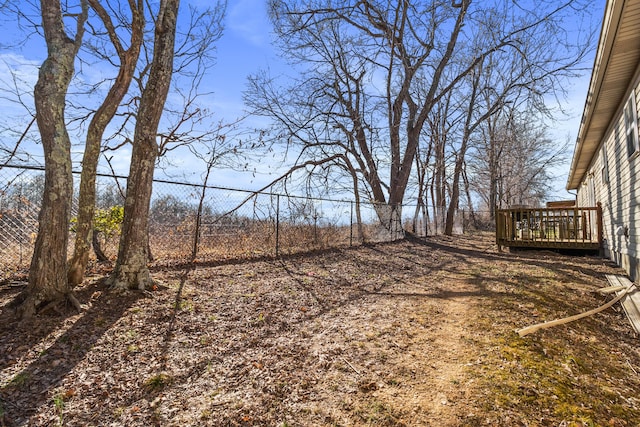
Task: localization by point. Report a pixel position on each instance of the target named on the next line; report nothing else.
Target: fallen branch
(354, 369)
(611, 289)
(531, 329)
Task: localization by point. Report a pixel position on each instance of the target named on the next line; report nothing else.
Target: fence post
(278, 225)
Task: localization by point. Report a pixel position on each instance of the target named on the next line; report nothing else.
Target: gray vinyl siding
(620, 196)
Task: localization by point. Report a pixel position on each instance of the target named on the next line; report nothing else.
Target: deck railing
(563, 228)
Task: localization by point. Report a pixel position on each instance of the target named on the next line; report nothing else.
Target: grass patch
(377, 413)
(20, 379)
(157, 383)
(59, 404)
(560, 376)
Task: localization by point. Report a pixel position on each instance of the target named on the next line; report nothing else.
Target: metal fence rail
(267, 224)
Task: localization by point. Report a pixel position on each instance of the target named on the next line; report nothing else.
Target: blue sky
(244, 49)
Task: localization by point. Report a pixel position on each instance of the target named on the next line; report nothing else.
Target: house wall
(614, 180)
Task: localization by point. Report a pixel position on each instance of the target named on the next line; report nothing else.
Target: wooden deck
(552, 228)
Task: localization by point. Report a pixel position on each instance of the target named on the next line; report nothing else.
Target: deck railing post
(577, 220)
(600, 228)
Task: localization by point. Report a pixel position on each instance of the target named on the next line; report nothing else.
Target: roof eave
(612, 16)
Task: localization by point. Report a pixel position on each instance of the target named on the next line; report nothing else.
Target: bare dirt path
(414, 333)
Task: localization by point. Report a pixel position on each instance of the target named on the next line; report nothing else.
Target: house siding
(619, 195)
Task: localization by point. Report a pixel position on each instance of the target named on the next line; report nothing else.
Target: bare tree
(507, 79)
(170, 60)
(131, 271)
(514, 160)
(128, 58)
(441, 128)
(484, 163)
(191, 57)
(372, 73)
(48, 271)
(221, 146)
(339, 108)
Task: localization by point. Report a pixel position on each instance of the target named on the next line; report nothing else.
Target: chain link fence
(212, 223)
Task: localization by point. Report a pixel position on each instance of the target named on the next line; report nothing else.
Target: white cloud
(19, 75)
(248, 19)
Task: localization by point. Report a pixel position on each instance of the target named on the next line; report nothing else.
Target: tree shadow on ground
(31, 387)
(18, 338)
(579, 273)
(397, 285)
(543, 258)
(169, 334)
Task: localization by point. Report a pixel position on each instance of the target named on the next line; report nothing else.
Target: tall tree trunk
(48, 270)
(356, 195)
(467, 191)
(198, 224)
(432, 191)
(440, 187)
(96, 247)
(131, 271)
(494, 171)
(99, 122)
(452, 209)
(422, 165)
(454, 201)
(469, 127)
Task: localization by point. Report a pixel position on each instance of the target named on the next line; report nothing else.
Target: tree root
(53, 305)
(74, 301)
(28, 308)
(125, 278)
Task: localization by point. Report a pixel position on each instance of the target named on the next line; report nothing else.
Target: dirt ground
(412, 333)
